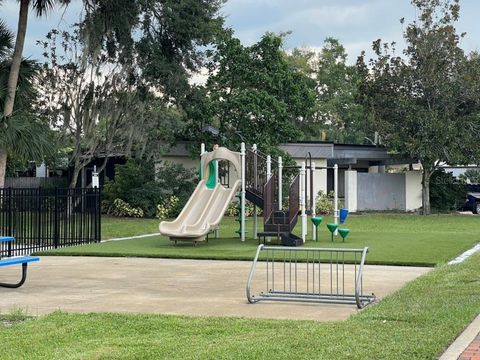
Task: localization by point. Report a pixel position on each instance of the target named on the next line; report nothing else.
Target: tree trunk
(76, 171)
(3, 166)
(427, 173)
(17, 58)
(13, 79)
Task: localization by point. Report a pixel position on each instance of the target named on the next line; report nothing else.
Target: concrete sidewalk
(467, 345)
(168, 286)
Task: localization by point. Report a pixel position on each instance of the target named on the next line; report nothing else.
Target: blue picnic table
(17, 260)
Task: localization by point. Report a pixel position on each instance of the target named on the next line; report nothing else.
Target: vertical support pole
(303, 215)
(280, 184)
(242, 198)
(255, 164)
(269, 175)
(202, 151)
(313, 200)
(269, 167)
(335, 196)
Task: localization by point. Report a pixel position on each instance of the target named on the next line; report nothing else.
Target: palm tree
(20, 132)
(40, 7)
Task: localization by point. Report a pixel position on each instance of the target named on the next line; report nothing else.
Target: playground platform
(170, 286)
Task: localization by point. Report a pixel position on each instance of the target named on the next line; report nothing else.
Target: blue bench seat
(6, 239)
(18, 260)
(22, 260)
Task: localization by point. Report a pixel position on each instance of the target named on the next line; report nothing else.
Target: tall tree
(40, 7)
(96, 107)
(338, 115)
(166, 38)
(22, 132)
(471, 176)
(426, 103)
(252, 93)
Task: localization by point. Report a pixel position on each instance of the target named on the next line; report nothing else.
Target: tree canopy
(426, 103)
(252, 94)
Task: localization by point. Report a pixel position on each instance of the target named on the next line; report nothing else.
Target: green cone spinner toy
(317, 220)
(343, 233)
(332, 227)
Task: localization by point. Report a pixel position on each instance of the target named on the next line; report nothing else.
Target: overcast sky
(356, 23)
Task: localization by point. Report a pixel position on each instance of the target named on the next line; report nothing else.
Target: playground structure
(261, 181)
(205, 208)
(310, 275)
(265, 179)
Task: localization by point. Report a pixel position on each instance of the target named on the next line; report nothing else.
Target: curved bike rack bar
(310, 275)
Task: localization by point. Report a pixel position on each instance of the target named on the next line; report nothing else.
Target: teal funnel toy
(344, 233)
(332, 228)
(316, 221)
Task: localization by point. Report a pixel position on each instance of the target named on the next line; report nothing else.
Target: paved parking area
(170, 286)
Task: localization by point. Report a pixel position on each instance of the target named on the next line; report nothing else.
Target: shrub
(123, 209)
(232, 209)
(137, 184)
(324, 202)
(447, 193)
(169, 208)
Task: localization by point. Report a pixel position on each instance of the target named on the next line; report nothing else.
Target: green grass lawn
(396, 239)
(417, 322)
(113, 227)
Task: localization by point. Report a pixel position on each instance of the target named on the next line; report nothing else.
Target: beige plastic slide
(202, 213)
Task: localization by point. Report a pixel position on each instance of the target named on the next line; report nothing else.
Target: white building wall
(351, 190)
(413, 190)
(320, 176)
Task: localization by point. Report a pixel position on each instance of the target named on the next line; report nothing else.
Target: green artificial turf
(396, 239)
(113, 227)
(417, 322)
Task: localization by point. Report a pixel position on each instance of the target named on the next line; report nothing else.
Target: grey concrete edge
(462, 341)
(462, 257)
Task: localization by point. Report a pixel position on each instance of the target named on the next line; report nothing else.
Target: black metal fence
(42, 219)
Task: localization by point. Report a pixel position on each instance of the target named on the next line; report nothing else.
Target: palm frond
(6, 39)
(41, 7)
(25, 136)
(25, 86)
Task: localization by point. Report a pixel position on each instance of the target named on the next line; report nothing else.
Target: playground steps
(278, 222)
(254, 197)
(285, 238)
(263, 191)
(290, 239)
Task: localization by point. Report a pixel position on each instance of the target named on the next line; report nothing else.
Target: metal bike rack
(310, 275)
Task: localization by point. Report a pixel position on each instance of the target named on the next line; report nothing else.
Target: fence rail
(42, 219)
(310, 275)
(34, 182)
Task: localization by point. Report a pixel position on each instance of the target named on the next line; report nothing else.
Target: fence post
(8, 193)
(98, 209)
(55, 221)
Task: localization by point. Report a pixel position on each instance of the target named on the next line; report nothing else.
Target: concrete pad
(170, 286)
